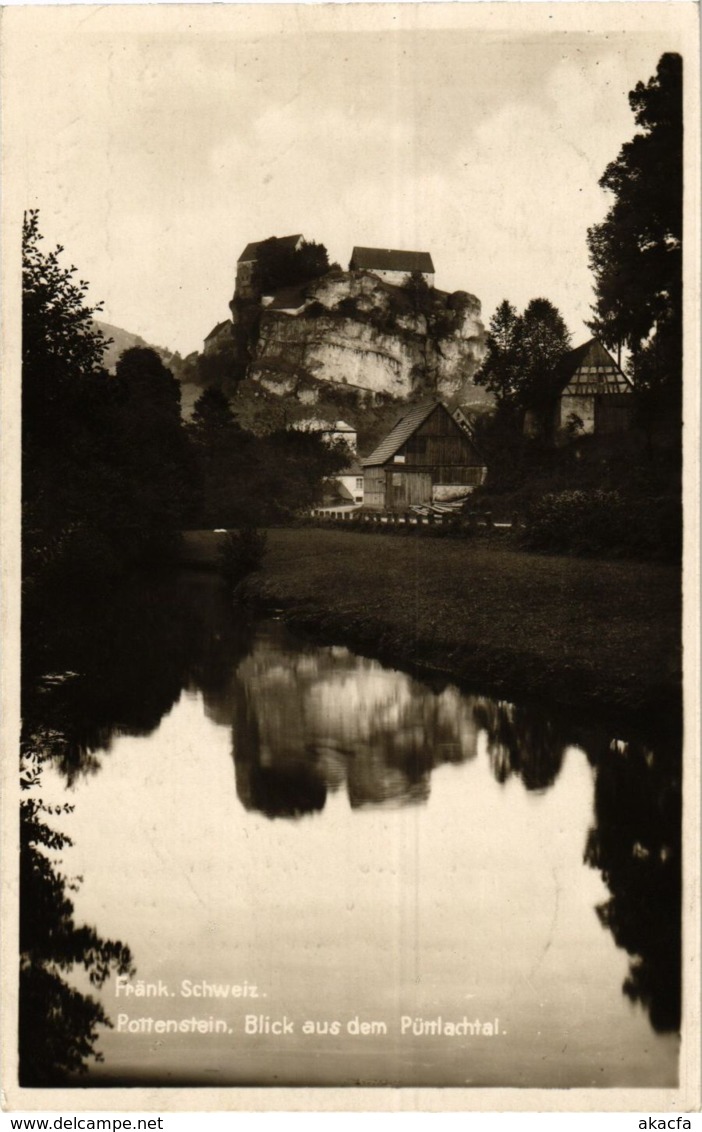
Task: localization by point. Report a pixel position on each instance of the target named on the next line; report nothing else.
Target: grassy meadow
(575, 630)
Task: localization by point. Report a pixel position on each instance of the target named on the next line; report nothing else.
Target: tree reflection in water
(521, 741)
(94, 667)
(636, 844)
(97, 666)
(308, 721)
(57, 1023)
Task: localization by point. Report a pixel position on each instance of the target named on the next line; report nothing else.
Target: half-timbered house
(591, 395)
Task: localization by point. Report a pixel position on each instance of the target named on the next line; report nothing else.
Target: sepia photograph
(351, 442)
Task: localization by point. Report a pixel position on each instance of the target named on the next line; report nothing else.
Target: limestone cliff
(352, 329)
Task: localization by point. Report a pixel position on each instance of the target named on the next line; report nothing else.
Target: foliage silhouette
(278, 265)
(106, 466)
(521, 741)
(522, 353)
(58, 1025)
(636, 253)
(636, 844)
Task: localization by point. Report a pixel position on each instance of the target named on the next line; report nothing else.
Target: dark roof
(388, 259)
(590, 369)
(250, 252)
(404, 428)
(218, 329)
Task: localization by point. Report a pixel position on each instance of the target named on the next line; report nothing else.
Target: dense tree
(64, 394)
(544, 340)
(292, 468)
(419, 292)
(148, 383)
(250, 480)
(60, 341)
(105, 459)
(224, 454)
(151, 453)
(501, 370)
(212, 414)
(636, 252)
(523, 352)
(278, 265)
(225, 366)
(58, 1024)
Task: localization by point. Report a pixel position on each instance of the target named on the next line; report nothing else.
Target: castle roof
(217, 330)
(390, 259)
(250, 252)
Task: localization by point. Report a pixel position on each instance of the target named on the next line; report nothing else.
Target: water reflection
(522, 742)
(58, 1024)
(636, 845)
(310, 723)
(95, 668)
(322, 716)
(306, 720)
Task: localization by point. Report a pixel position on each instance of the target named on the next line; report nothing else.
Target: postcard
(351, 434)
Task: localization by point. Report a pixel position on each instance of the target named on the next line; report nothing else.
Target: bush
(347, 306)
(242, 553)
(581, 521)
(596, 521)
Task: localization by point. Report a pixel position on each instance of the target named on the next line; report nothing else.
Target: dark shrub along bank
(603, 522)
(242, 553)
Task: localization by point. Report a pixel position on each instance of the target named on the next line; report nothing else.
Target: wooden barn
(591, 396)
(428, 457)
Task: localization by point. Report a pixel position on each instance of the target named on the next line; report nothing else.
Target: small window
(399, 459)
(396, 479)
(359, 483)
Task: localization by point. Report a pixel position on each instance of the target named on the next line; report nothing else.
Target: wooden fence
(458, 522)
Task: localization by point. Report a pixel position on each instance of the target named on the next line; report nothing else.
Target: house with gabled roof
(392, 265)
(246, 264)
(219, 334)
(430, 456)
(590, 395)
(346, 487)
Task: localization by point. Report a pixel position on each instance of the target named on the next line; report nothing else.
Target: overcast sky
(158, 141)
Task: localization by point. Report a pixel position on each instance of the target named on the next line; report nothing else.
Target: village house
(346, 487)
(591, 396)
(430, 456)
(393, 266)
(222, 332)
(246, 264)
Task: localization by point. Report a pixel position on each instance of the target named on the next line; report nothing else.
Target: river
(329, 872)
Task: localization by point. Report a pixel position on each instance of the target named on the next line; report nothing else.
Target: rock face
(352, 329)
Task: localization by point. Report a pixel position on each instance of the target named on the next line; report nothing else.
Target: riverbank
(577, 631)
